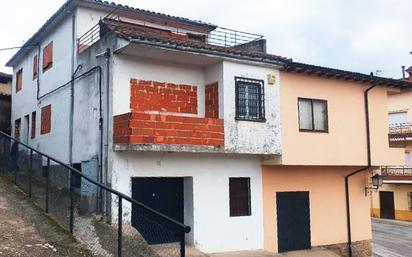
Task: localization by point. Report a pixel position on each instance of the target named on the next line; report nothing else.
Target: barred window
(250, 96)
(410, 200)
(239, 197)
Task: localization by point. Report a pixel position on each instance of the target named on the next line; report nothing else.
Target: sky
(364, 36)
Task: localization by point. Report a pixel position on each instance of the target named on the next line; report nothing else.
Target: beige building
(394, 199)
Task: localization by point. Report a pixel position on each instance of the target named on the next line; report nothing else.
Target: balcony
(397, 173)
(400, 134)
(137, 131)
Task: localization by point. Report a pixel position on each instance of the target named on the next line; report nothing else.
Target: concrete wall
(345, 143)
(212, 227)
(246, 136)
(400, 193)
(326, 188)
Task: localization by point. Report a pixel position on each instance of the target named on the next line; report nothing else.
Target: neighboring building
(5, 102)
(244, 143)
(394, 199)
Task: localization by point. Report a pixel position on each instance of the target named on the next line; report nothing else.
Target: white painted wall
(24, 102)
(246, 136)
(213, 229)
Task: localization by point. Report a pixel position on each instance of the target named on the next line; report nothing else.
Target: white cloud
(355, 35)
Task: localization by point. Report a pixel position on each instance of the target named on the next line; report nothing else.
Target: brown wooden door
(387, 205)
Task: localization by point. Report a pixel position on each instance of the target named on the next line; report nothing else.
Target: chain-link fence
(129, 228)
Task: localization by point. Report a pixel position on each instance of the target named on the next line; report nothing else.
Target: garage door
(293, 221)
(161, 194)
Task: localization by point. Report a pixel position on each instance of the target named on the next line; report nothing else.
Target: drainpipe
(368, 145)
(73, 72)
(106, 146)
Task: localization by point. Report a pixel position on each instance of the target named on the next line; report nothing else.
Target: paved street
(392, 238)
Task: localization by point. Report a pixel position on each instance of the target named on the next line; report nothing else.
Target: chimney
(409, 71)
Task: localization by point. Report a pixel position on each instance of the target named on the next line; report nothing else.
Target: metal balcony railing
(219, 37)
(401, 128)
(396, 171)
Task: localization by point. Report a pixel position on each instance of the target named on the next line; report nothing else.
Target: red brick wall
(141, 128)
(45, 120)
(212, 100)
(162, 97)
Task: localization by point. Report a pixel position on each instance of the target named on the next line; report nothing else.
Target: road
(391, 238)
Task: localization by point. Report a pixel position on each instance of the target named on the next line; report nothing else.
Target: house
(203, 125)
(5, 102)
(394, 199)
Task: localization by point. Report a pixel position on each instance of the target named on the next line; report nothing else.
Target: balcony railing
(219, 37)
(399, 134)
(396, 172)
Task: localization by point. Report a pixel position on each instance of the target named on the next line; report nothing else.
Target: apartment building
(394, 199)
(249, 149)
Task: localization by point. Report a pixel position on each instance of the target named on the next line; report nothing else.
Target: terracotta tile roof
(132, 32)
(343, 74)
(151, 13)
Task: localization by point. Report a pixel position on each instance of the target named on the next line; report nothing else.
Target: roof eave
(56, 18)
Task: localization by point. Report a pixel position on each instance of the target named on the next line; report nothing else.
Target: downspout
(107, 128)
(368, 145)
(38, 73)
(72, 90)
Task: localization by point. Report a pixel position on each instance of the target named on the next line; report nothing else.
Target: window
(410, 200)
(48, 57)
(250, 97)
(45, 120)
(17, 125)
(239, 197)
(33, 125)
(35, 67)
(19, 80)
(313, 115)
(398, 118)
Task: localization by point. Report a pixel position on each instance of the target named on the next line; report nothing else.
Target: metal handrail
(180, 226)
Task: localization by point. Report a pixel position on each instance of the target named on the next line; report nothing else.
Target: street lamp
(377, 182)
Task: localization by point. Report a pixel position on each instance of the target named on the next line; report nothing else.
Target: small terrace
(400, 134)
(396, 173)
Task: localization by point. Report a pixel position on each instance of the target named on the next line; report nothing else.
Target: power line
(15, 47)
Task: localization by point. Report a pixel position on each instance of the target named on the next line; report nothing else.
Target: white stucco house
(155, 103)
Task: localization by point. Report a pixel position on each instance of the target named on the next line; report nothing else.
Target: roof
(133, 32)
(343, 74)
(151, 13)
(5, 78)
(69, 5)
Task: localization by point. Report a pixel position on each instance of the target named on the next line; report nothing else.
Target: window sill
(314, 131)
(250, 120)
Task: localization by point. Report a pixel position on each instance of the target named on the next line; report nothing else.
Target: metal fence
(401, 128)
(72, 199)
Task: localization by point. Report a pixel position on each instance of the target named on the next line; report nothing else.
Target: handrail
(396, 171)
(184, 228)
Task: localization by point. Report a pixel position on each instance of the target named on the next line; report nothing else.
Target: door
(26, 129)
(407, 159)
(293, 219)
(387, 205)
(164, 195)
(398, 118)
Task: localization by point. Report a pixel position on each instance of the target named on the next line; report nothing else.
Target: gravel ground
(26, 232)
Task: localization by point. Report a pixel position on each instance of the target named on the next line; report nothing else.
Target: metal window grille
(250, 99)
(239, 197)
(410, 200)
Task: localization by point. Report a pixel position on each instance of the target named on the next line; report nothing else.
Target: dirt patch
(25, 231)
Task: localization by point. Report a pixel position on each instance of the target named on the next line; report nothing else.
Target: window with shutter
(45, 120)
(48, 57)
(35, 67)
(19, 80)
